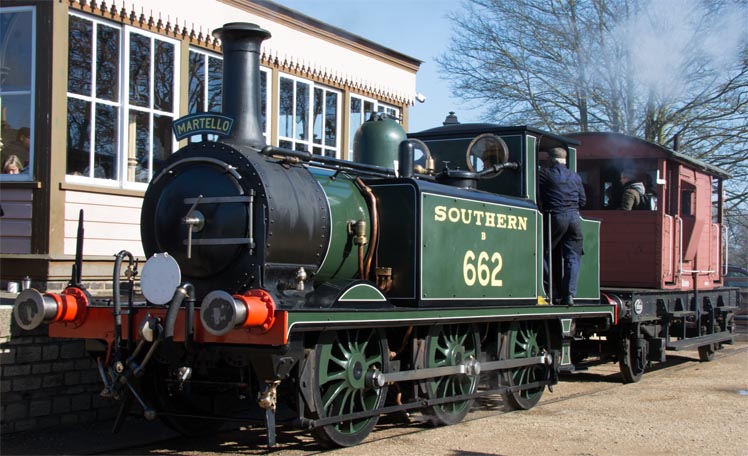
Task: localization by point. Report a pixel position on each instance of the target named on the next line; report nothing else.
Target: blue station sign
(204, 123)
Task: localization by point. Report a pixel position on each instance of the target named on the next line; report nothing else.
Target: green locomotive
(332, 292)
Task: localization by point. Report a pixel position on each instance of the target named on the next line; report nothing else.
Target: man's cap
(557, 152)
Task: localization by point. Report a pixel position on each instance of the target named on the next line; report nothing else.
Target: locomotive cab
(474, 147)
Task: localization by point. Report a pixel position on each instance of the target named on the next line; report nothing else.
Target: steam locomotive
(284, 286)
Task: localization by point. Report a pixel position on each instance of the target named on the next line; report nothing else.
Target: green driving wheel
(524, 340)
(450, 345)
(343, 358)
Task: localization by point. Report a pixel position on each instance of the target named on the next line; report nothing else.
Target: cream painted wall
(111, 223)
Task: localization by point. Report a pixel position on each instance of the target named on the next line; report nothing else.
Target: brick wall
(46, 382)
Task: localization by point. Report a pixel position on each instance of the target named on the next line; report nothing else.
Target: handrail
(670, 244)
(725, 248)
(680, 233)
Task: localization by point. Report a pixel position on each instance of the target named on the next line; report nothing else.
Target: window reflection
(196, 82)
(105, 141)
(331, 119)
(215, 81)
(302, 110)
(16, 89)
(285, 108)
(318, 113)
(205, 70)
(79, 56)
(107, 63)
(299, 114)
(140, 70)
(325, 121)
(137, 153)
(356, 118)
(79, 136)
(163, 89)
(97, 121)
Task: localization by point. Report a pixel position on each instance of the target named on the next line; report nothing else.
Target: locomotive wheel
(450, 345)
(706, 352)
(524, 339)
(632, 361)
(342, 361)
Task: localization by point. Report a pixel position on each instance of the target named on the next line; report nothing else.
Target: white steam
(676, 45)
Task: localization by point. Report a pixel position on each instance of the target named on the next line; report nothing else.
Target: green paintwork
(377, 142)
(565, 353)
(446, 346)
(530, 169)
(476, 250)
(588, 286)
(572, 160)
(566, 326)
(408, 316)
(539, 264)
(346, 203)
(344, 358)
(526, 341)
(397, 235)
(362, 292)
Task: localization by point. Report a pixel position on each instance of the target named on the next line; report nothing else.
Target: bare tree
(645, 68)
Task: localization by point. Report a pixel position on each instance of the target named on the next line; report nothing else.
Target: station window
(308, 117)
(206, 87)
(122, 99)
(205, 82)
(17, 54)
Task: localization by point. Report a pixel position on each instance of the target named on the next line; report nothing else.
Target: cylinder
(405, 158)
(241, 80)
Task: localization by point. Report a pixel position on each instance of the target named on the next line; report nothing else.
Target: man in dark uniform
(561, 195)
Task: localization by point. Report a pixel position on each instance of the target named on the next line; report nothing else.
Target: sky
(417, 28)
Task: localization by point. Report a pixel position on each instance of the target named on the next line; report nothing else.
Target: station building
(89, 90)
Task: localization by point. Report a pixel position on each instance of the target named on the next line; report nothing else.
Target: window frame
(93, 100)
(264, 73)
(124, 106)
(31, 92)
(309, 143)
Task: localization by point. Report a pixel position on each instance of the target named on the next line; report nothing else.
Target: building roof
(288, 14)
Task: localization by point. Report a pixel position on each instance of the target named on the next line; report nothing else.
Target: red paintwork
(99, 324)
(260, 309)
(676, 247)
(71, 305)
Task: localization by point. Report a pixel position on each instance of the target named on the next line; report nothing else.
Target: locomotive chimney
(241, 80)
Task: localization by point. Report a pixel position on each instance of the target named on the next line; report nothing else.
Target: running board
(695, 342)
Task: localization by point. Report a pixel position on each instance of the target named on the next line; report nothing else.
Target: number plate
(477, 250)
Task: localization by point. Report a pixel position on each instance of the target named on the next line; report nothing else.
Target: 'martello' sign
(204, 123)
